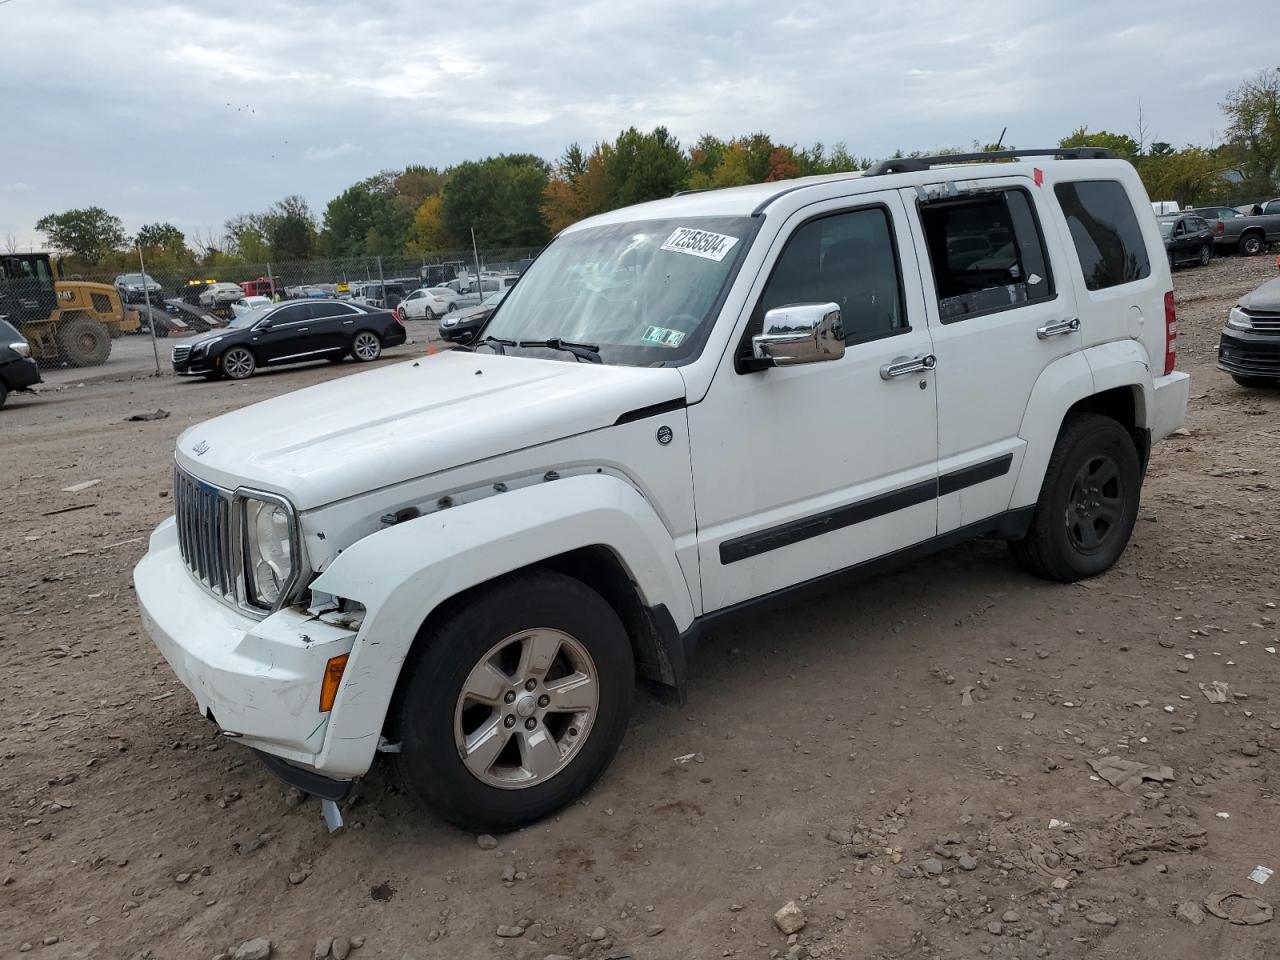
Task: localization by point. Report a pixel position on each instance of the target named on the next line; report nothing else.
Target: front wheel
(238, 363)
(1088, 502)
(366, 346)
(515, 702)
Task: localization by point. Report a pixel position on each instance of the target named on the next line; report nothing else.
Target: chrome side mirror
(800, 333)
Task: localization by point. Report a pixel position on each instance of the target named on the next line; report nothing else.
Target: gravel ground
(892, 756)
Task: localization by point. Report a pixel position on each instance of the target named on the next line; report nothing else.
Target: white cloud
(18, 187)
(330, 153)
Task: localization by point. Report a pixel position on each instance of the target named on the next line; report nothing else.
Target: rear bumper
(259, 680)
(1249, 354)
(1169, 406)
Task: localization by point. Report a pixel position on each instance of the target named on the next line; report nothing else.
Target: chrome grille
(181, 352)
(1263, 322)
(207, 534)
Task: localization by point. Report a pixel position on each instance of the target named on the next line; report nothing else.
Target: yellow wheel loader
(68, 321)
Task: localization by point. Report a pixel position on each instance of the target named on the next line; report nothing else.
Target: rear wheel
(1206, 254)
(238, 363)
(1088, 502)
(1251, 244)
(516, 702)
(4, 392)
(83, 342)
(366, 346)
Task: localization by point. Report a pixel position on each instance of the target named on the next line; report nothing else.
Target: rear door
(999, 314)
(332, 326)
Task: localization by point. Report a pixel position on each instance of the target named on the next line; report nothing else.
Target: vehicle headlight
(21, 348)
(204, 346)
(270, 538)
(1239, 320)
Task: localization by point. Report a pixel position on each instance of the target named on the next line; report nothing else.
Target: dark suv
(290, 332)
(17, 370)
(1188, 238)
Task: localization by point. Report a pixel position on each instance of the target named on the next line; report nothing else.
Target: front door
(284, 335)
(999, 315)
(804, 470)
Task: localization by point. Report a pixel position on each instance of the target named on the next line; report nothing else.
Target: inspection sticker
(662, 337)
(700, 243)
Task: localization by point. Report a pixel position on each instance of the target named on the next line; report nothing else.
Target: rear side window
(987, 253)
(1105, 231)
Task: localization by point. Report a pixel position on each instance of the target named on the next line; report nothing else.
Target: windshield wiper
(497, 344)
(583, 351)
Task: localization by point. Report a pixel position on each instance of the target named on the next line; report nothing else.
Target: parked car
(138, 287)
(220, 294)
(17, 370)
(462, 563)
(247, 304)
(427, 303)
(471, 292)
(382, 295)
(290, 332)
(1247, 234)
(1187, 239)
(1165, 208)
(463, 325)
(1249, 347)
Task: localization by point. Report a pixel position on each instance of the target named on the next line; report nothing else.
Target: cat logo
(66, 294)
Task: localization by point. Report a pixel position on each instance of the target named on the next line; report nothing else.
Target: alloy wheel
(238, 363)
(366, 346)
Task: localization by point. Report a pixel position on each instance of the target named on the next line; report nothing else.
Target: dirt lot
(130, 830)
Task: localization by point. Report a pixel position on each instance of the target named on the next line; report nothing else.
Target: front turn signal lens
(332, 677)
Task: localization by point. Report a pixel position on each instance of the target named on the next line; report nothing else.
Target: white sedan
(428, 303)
(248, 305)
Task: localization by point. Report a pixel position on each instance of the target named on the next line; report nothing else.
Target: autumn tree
(1253, 110)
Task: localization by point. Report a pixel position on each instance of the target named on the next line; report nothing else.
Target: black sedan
(1249, 348)
(290, 332)
(17, 370)
(1187, 239)
(462, 326)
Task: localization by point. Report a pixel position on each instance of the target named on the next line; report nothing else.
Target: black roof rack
(917, 164)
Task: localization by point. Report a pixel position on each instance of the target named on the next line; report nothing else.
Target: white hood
(359, 433)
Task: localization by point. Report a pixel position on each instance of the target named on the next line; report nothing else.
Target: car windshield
(1166, 228)
(644, 292)
(250, 317)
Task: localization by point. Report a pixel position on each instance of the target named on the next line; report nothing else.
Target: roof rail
(917, 164)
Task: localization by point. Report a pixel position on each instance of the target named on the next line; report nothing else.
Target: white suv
(683, 408)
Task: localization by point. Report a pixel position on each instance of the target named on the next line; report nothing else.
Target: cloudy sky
(193, 112)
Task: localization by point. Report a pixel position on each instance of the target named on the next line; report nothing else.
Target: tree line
(521, 200)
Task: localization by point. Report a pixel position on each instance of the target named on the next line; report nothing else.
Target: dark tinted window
(321, 310)
(1105, 231)
(986, 253)
(849, 259)
(291, 314)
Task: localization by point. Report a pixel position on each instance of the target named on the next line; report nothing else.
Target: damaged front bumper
(258, 679)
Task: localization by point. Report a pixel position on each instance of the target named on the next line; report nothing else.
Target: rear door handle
(1059, 328)
(901, 366)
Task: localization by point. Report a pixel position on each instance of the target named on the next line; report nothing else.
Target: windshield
(250, 317)
(1166, 228)
(644, 292)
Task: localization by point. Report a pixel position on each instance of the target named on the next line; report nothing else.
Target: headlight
(204, 345)
(21, 348)
(1239, 320)
(270, 537)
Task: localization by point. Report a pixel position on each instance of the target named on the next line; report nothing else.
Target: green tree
(1253, 109)
(91, 234)
(364, 211)
(161, 236)
(1121, 144)
(247, 238)
(646, 166)
(500, 198)
(290, 229)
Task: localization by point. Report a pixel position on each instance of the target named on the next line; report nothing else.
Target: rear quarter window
(1105, 231)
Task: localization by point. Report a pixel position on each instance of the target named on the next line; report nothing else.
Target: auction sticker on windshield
(662, 337)
(699, 243)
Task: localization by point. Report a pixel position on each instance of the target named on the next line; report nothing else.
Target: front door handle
(901, 366)
(303, 329)
(345, 322)
(1059, 328)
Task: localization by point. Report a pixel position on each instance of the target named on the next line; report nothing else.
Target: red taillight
(1170, 334)
(1222, 228)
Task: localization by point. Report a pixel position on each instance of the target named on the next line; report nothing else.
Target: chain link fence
(86, 325)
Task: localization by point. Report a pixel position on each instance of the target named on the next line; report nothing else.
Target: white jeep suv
(683, 408)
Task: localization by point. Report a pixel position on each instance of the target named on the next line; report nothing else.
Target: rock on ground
(790, 918)
(257, 949)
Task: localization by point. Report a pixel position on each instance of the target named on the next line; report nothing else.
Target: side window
(847, 258)
(987, 253)
(1273, 206)
(1105, 231)
(322, 311)
(1180, 228)
(293, 314)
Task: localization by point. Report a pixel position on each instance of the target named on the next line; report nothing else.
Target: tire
(366, 346)
(338, 357)
(1205, 255)
(1254, 381)
(4, 392)
(1088, 502)
(435, 721)
(83, 342)
(1251, 244)
(239, 363)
